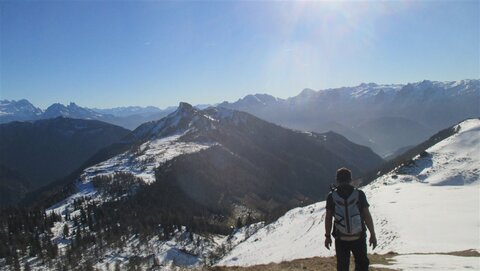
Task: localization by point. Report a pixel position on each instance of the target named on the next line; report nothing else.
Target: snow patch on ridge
(143, 161)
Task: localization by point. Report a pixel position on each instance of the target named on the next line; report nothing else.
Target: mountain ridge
(428, 105)
(127, 117)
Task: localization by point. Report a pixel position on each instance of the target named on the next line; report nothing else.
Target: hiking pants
(359, 250)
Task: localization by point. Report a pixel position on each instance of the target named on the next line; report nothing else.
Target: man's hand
(328, 242)
(373, 241)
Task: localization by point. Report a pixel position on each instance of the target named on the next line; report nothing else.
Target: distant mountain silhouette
(127, 117)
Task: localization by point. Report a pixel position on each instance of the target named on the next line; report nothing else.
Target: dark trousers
(359, 250)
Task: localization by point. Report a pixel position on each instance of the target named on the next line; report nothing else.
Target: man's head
(344, 176)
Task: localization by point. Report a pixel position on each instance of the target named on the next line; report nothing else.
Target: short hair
(344, 175)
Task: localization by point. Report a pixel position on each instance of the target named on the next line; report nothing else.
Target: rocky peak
(184, 107)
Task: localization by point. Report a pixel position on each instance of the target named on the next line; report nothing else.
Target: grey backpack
(348, 220)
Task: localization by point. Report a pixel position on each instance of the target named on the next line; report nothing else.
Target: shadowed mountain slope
(45, 150)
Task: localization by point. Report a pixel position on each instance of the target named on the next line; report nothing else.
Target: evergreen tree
(249, 219)
(239, 223)
(65, 230)
(16, 263)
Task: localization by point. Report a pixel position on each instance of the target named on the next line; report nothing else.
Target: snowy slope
(160, 146)
(297, 234)
(149, 156)
(430, 206)
(141, 164)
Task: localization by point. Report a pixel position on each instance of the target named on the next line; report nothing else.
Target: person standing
(349, 207)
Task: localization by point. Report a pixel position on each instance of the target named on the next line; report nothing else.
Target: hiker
(349, 206)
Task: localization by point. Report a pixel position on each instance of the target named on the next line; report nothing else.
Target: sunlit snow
(430, 207)
(143, 161)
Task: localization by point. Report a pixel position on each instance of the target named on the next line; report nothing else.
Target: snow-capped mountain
(422, 210)
(18, 110)
(199, 171)
(161, 142)
(70, 111)
(130, 110)
(23, 110)
(252, 102)
(128, 117)
(367, 112)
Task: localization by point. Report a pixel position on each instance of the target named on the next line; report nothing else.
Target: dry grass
(463, 253)
(329, 263)
(466, 253)
(312, 264)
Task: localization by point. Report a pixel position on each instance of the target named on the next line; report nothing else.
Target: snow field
(146, 159)
(437, 262)
(430, 207)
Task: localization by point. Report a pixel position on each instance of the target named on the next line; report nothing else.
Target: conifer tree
(239, 223)
(65, 230)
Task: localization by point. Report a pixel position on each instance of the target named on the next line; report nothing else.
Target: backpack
(348, 221)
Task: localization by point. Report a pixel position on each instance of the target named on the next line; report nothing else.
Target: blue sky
(118, 53)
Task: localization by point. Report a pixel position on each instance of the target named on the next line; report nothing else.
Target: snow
(84, 190)
(149, 156)
(181, 250)
(210, 118)
(21, 108)
(433, 262)
(372, 90)
(417, 217)
(429, 207)
(295, 235)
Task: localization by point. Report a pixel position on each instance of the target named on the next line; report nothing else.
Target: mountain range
(192, 151)
(201, 171)
(213, 185)
(128, 117)
(442, 177)
(382, 117)
(182, 181)
(386, 118)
